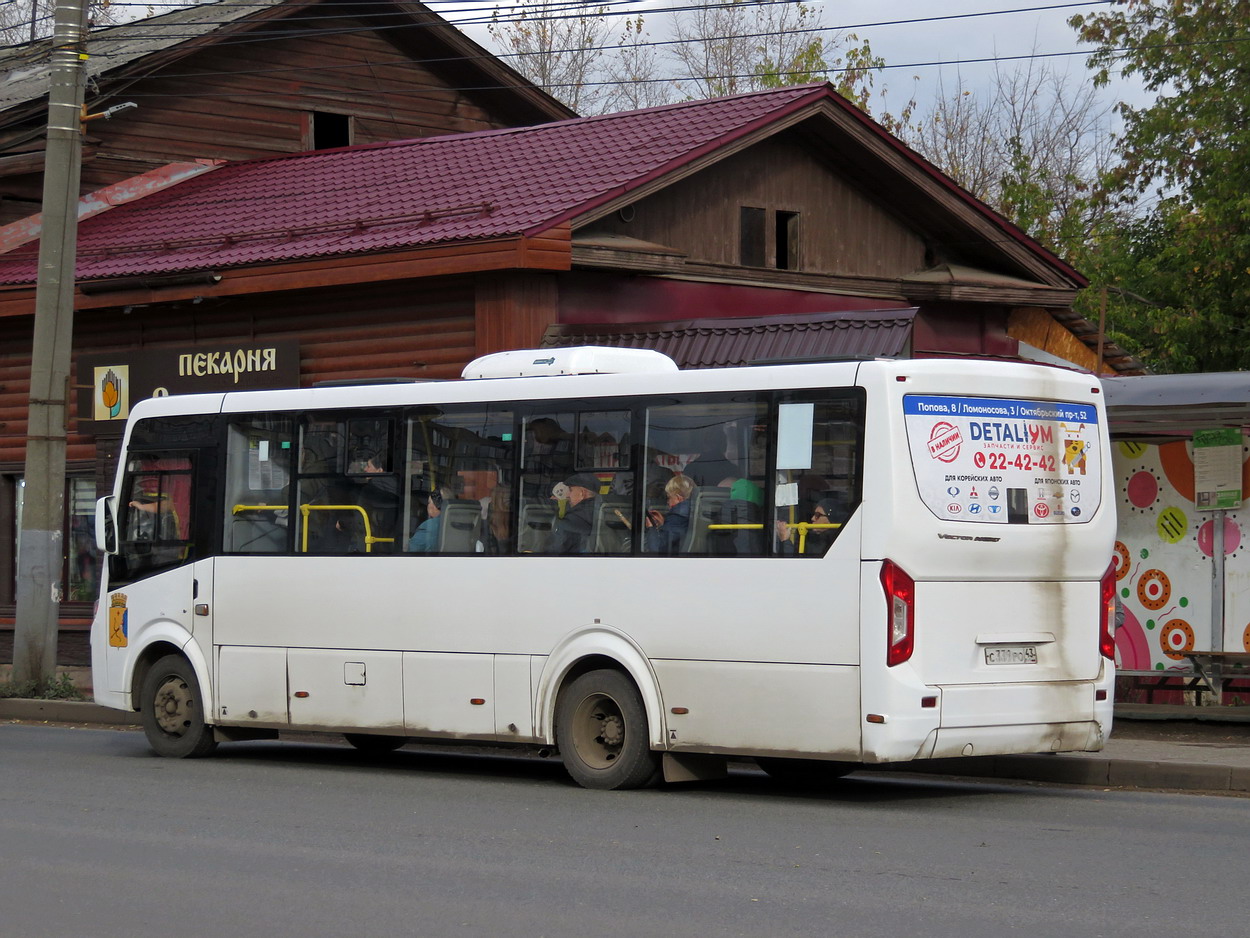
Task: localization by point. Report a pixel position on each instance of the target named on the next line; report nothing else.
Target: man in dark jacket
(572, 534)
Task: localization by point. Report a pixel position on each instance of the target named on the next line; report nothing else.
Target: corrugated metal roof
(24, 68)
(410, 193)
(721, 343)
(1145, 406)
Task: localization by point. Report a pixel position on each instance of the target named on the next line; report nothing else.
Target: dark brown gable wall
(242, 100)
(397, 329)
(841, 230)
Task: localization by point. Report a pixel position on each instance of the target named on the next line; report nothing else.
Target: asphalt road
(98, 837)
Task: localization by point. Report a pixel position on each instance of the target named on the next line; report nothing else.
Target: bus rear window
(1004, 461)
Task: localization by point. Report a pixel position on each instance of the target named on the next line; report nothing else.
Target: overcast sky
(906, 34)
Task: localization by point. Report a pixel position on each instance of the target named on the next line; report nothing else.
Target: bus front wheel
(173, 710)
(601, 730)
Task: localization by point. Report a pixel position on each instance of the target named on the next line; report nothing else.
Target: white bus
(819, 566)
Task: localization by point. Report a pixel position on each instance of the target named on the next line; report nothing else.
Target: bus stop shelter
(1182, 555)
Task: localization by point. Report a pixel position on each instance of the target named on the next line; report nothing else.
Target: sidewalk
(1183, 748)
(1203, 749)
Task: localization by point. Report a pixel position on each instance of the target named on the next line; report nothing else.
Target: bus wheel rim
(598, 731)
(173, 705)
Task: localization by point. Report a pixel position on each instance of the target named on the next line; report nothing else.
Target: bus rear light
(928, 703)
(1106, 613)
(900, 598)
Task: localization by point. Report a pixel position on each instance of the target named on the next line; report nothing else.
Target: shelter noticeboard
(1217, 469)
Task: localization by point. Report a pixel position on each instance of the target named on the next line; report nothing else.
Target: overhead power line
(586, 10)
(682, 78)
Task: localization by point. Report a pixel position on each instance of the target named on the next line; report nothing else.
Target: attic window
(768, 238)
(751, 237)
(327, 131)
(787, 232)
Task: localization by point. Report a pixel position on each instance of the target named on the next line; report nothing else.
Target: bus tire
(173, 710)
(805, 773)
(601, 731)
(372, 745)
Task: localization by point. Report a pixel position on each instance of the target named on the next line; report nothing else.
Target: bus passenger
(711, 466)
(572, 534)
(818, 539)
(498, 515)
(668, 530)
(378, 493)
(424, 539)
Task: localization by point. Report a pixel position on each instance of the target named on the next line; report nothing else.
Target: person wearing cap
(818, 539)
(572, 535)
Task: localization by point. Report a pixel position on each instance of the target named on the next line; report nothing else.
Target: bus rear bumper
(995, 719)
(1081, 736)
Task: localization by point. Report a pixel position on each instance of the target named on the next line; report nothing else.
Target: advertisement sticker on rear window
(1004, 461)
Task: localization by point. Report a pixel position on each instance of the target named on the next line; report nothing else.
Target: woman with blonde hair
(668, 529)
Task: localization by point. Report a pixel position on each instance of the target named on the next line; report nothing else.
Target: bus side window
(464, 455)
(348, 494)
(719, 444)
(819, 472)
(258, 475)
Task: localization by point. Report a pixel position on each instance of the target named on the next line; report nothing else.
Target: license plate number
(1011, 654)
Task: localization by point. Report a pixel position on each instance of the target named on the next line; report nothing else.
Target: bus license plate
(1011, 654)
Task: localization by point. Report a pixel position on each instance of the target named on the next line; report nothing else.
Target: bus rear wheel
(601, 730)
(173, 710)
(372, 745)
(805, 773)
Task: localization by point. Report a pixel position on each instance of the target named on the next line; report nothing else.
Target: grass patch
(61, 687)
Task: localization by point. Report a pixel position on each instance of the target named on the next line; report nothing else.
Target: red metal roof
(409, 193)
(720, 343)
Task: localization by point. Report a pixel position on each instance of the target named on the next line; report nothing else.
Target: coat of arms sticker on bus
(119, 635)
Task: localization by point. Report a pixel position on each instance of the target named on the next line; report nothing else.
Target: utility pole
(39, 586)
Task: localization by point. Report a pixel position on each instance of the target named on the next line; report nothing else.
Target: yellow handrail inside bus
(370, 540)
(305, 510)
(803, 526)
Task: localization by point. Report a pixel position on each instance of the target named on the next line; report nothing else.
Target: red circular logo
(1041, 509)
(944, 441)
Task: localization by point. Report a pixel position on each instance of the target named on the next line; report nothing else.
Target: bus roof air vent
(579, 360)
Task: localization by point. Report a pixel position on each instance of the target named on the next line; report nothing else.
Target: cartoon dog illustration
(1074, 455)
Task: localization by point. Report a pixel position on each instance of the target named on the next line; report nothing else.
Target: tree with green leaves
(1186, 158)
(1033, 143)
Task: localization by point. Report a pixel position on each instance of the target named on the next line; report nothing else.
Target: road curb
(65, 711)
(1086, 770)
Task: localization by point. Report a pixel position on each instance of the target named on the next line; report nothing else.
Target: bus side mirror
(106, 524)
